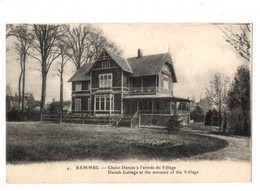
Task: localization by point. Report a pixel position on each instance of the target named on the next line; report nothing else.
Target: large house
(114, 86)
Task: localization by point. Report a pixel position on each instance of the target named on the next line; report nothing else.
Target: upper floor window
(78, 86)
(105, 80)
(166, 82)
(105, 64)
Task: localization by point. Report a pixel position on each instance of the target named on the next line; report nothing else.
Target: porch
(157, 109)
(154, 104)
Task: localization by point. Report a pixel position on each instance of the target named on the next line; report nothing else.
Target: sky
(197, 50)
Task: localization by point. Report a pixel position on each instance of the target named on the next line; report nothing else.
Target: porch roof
(156, 96)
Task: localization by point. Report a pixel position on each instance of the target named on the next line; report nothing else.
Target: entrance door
(131, 107)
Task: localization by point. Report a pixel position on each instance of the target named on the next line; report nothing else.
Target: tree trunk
(19, 90)
(61, 93)
(43, 95)
(19, 85)
(219, 120)
(24, 60)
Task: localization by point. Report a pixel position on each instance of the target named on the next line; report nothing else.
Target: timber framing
(113, 85)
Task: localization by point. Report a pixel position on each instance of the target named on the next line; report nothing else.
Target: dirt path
(238, 149)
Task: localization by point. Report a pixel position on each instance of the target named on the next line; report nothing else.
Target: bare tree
(85, 43)
(217, 94)
(238, 37)
(77, 42)
(64, 58)
(45, 46)
(23, 43)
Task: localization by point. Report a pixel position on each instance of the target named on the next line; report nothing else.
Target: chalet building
(116, 86)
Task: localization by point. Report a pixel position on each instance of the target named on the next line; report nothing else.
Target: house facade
(114, 86)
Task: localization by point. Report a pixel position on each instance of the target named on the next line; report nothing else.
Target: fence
(80, 119)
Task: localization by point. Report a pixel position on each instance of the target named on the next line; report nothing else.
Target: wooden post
(152, 105)
(122, 90)
(142, 85)
(94, 105)
(139, 120)
(109, 120)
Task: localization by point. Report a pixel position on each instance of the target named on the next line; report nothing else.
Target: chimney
(139, 53)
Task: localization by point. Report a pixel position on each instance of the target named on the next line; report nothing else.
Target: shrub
(173, 124)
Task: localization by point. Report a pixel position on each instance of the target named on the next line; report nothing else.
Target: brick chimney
(139, 53)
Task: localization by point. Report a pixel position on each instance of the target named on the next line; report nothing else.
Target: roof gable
(150, 65)
(137, 66)
(120, 61)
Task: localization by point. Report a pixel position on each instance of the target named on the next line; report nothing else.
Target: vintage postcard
(128, 102)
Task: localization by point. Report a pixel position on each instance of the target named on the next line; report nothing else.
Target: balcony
(149, 89)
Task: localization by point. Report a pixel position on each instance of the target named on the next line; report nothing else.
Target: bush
(173, 124)
(197, 114)
(211, 118)
(15, 115)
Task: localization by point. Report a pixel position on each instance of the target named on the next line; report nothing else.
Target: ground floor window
(89, 104)
(78, 104)
(104, 102)
(156, 105)
(145, 105)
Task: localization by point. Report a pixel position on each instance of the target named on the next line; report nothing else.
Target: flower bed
(157, 144)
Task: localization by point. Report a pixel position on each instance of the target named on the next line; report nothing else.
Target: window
(105, 80)
(103, 102)
(166, 82)
(89, 104)
(157, 105)
(78, 86)
(105, 64)
(78, 104)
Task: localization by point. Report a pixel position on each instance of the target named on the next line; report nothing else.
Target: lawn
(35, 142)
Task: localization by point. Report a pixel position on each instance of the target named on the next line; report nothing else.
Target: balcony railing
(143, 89)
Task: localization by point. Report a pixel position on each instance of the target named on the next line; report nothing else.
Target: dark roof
(150, 65)
(122, 62)
(144, 66)
(81, 74)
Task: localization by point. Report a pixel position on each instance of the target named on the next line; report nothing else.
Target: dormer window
(105, 64)
(105, 80)
(78, 86)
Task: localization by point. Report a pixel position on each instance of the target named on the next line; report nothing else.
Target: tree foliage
(239, 102)
(197, 114)
(239, 38)
(85, 43)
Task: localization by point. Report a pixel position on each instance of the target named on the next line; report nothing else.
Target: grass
(35, 142)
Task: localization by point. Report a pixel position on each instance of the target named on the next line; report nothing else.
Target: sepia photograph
(128, 102)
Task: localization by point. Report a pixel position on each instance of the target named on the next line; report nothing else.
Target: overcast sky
(198, 51)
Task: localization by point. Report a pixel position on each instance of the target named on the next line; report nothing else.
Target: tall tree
(85, 43)
(217, 93)
(239, 102)
(60, 69)
(45, 46)
(238, 36)
(23, 43)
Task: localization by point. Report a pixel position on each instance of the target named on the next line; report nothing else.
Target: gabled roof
(150, 65)
(122, 62)
(143, 66)
(81, 74)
